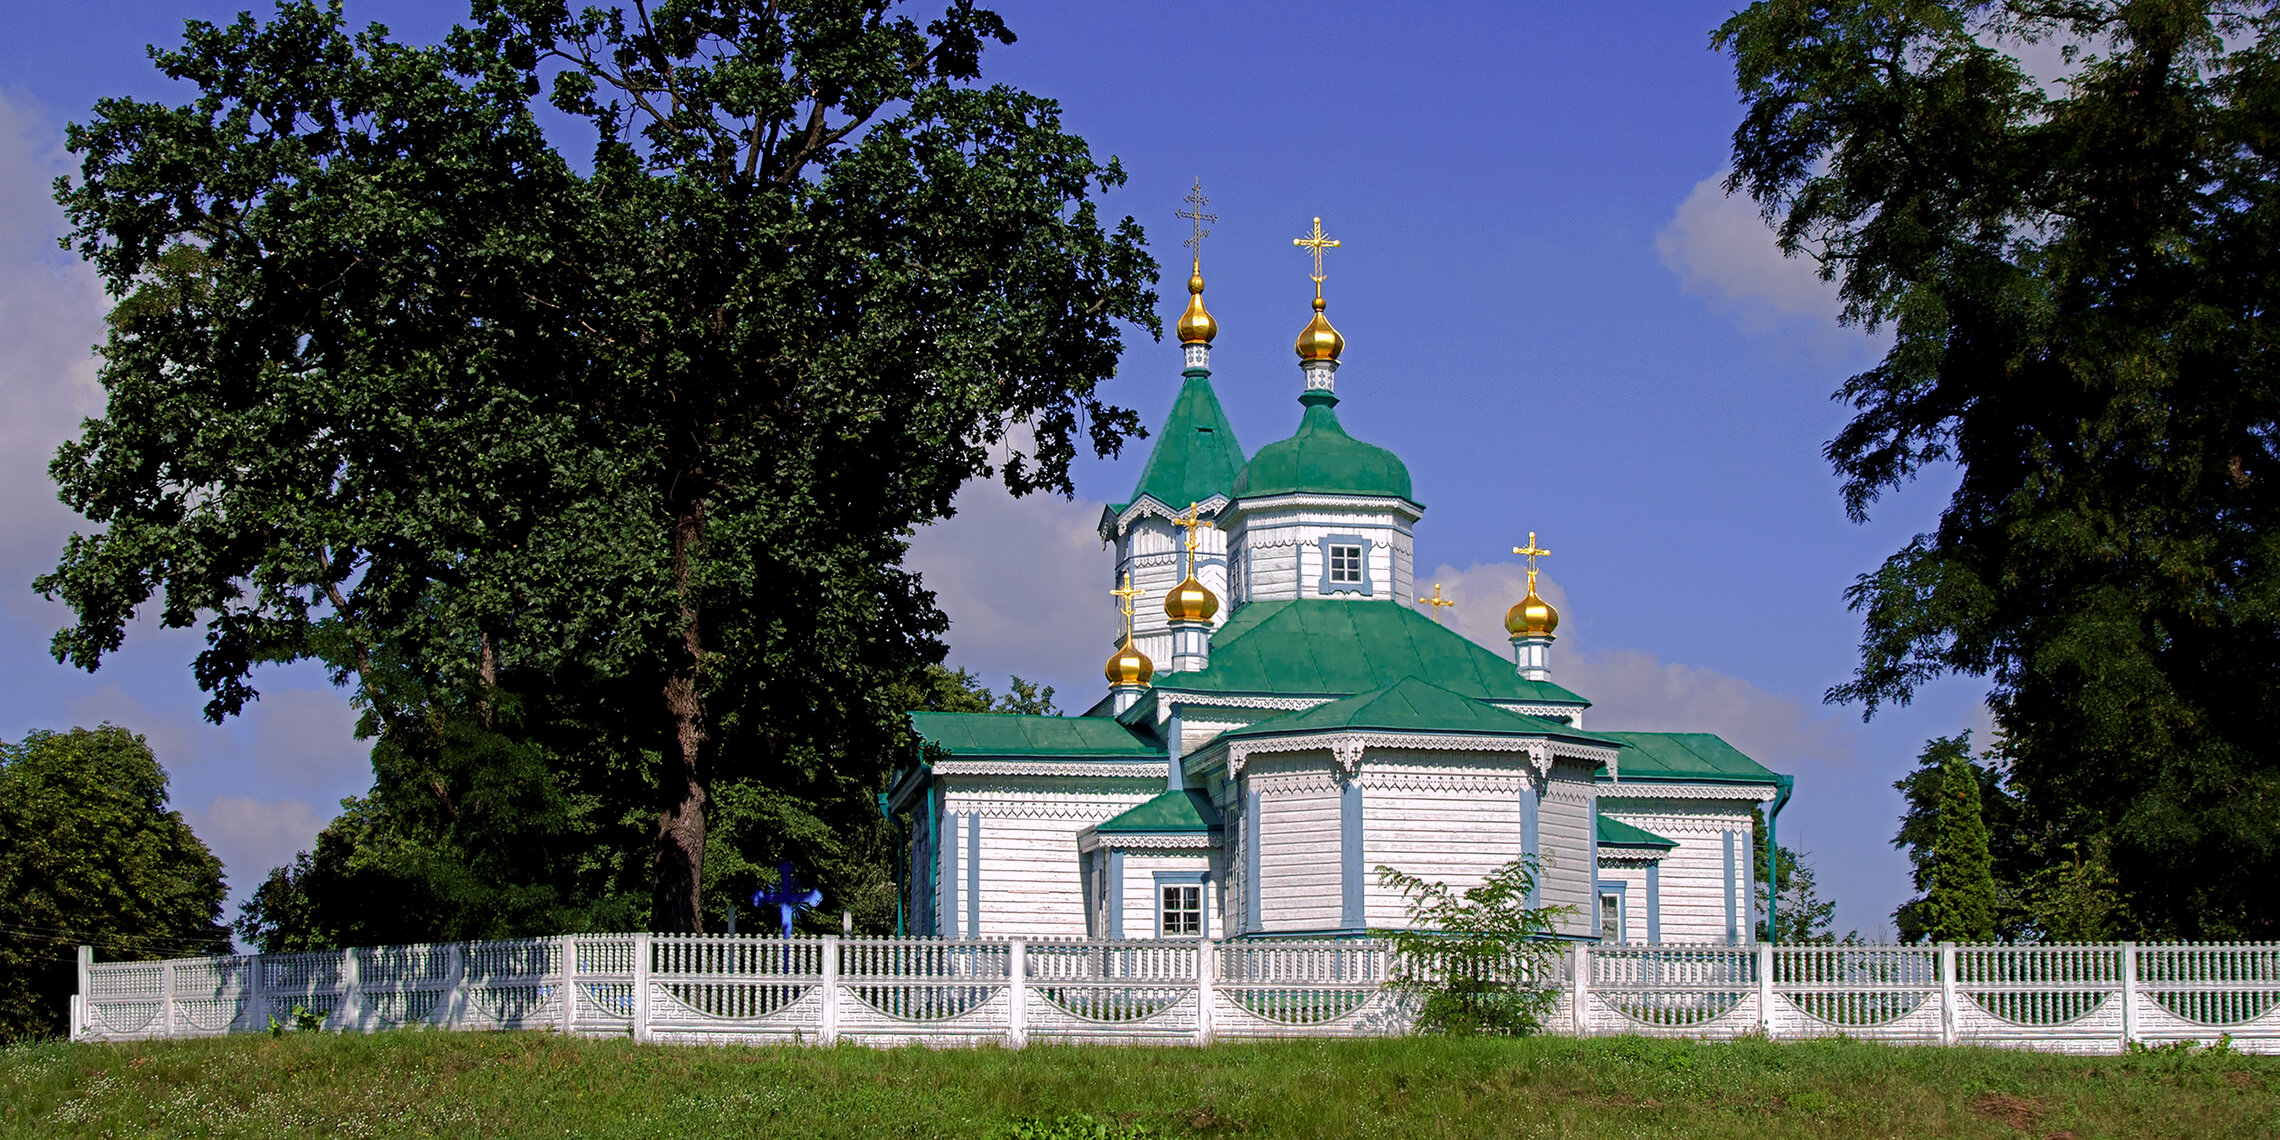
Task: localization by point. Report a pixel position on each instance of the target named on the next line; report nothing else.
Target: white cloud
(51, 313)
(1025, 584)
(306, 738)
(1635, 690)
(251, 836)
(1721, 248)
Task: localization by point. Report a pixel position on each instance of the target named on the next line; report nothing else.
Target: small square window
(1182, 914)
(1345, 564)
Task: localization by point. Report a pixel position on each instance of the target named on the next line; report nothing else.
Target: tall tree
(1959, 889)
(91, 854)
(2076, 280)
(619, 462)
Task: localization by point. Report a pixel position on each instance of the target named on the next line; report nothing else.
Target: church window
(1611, 917)
(1345, 564)
(1182, 910)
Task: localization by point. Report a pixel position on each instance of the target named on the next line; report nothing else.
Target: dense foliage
(90, 854)
(2075, 272)
(1480, 960)
(591, 477)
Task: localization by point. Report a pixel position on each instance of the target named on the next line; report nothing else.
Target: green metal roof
(1196, 455)
(1687, 756)
(1323, 646)
(1616, 833)
(1002, 734)
(1172, 811)
(1413, 705)
(1320, 457)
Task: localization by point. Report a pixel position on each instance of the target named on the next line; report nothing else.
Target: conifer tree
(1961, 895)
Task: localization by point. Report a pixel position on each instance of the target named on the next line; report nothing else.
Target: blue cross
(787, 896)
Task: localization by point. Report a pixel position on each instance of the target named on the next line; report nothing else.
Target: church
(1283, 718)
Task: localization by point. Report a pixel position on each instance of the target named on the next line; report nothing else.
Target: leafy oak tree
(90, 853)
(599, 469)
(2076, 279)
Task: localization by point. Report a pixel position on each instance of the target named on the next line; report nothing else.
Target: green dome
(1321, 458)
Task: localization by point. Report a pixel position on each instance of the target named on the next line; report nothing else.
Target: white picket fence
(887, 991)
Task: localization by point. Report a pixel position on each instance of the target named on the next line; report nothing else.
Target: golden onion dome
(1320, 341)
(1196, 325)
(1129, 666)
(1532, 617)
(1191, 601)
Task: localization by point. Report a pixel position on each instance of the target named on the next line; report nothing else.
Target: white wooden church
(1282, 720)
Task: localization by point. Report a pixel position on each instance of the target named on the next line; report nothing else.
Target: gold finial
(1192, 520)
(1319, 341)
(1437, 602)
(1128, 666)
(1531, 616)
(1127, 593)
(1533, 552)
(1314, 243)
(1196, 325)
(1191, 600)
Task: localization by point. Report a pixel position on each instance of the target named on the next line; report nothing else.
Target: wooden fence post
(1206, 961)
(2129, 995)
(1765, 988)
(1579, 987)
(569, 990)
(827, 1028)
(1016, 994)
(1948, 1010)
(641, 987)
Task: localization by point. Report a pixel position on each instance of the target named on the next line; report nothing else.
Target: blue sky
(1550, 311)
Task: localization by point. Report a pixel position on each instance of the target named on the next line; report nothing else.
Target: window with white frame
(1611, 916)
(1345, 564)
(1180, 910)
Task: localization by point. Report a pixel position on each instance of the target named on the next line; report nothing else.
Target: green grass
(535, 1084)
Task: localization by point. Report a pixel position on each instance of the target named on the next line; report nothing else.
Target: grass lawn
(431, 1083)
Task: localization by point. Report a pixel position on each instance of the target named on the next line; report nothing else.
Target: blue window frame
(1345, 565)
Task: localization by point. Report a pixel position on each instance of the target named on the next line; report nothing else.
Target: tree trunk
(677, 881)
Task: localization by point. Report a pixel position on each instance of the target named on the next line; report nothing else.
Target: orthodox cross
(788, 896)
(1191, 520)
(1194, 213)
(1533, 552)
(1126, 595)
(1314, 243)
(1437, 601)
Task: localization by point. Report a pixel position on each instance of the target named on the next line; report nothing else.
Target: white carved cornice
(1710, 788)
(1146, 506)
(1090, 840)
(1349, 746)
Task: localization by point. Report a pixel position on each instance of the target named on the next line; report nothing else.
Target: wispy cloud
(1637, 690)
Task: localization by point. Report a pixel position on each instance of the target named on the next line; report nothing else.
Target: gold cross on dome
(1533, 552)
(1314, 243)
(1192, 520)
(1194, 213)
(1437, 602)
(1126, 594)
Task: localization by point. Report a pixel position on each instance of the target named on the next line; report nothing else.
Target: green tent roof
(1334, 647)
(1196, 455)
(1172, 811)
(1687, 756)
(1616, 833)
(1412, 705)
(1320, 457)
(1001, 734)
